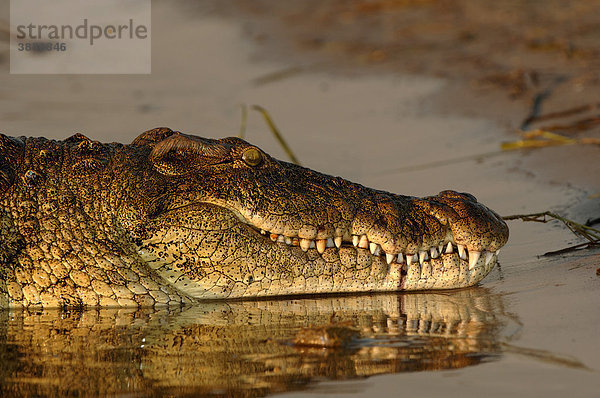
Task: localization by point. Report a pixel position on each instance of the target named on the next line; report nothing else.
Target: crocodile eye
(252, 157)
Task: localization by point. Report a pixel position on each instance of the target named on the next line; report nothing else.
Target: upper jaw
(399, 229)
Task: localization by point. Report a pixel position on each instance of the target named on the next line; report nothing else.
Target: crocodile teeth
(305, 244)
(488, 257)
(422, 255)
(389, 258)
(321, 245)
(461, 252)
(373, 247)
(449, 248)
(364, 242)
(338, 241)
(434, 253)
(473, 258)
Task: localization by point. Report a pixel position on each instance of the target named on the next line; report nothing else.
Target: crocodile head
(221, 218)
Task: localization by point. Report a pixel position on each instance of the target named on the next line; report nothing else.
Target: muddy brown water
(530, 328)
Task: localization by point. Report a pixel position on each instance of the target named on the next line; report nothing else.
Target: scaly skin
(172, 218)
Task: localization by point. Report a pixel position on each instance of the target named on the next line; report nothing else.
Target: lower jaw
(345, 276)
(447, 271)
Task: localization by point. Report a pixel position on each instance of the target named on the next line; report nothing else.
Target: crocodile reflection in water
(243, 348)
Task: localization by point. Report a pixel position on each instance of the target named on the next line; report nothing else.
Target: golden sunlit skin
(172, 218)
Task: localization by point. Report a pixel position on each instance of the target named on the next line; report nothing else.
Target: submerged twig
(276, 133)
(592, 235)
(585, 245)
(592, 221)
(536, 107)
(545, 356)
(538, 99)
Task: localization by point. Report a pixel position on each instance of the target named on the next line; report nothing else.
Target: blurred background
(365, 89)
(409, 96)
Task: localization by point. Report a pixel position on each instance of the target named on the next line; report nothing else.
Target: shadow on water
(245, 348)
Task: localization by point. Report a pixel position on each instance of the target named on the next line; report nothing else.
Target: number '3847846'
(42, 46)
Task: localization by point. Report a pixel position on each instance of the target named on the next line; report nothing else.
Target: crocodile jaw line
(445, 247)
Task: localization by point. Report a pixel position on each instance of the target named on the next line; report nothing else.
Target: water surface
(246, 348)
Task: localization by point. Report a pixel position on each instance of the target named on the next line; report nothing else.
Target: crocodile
(174, 218)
